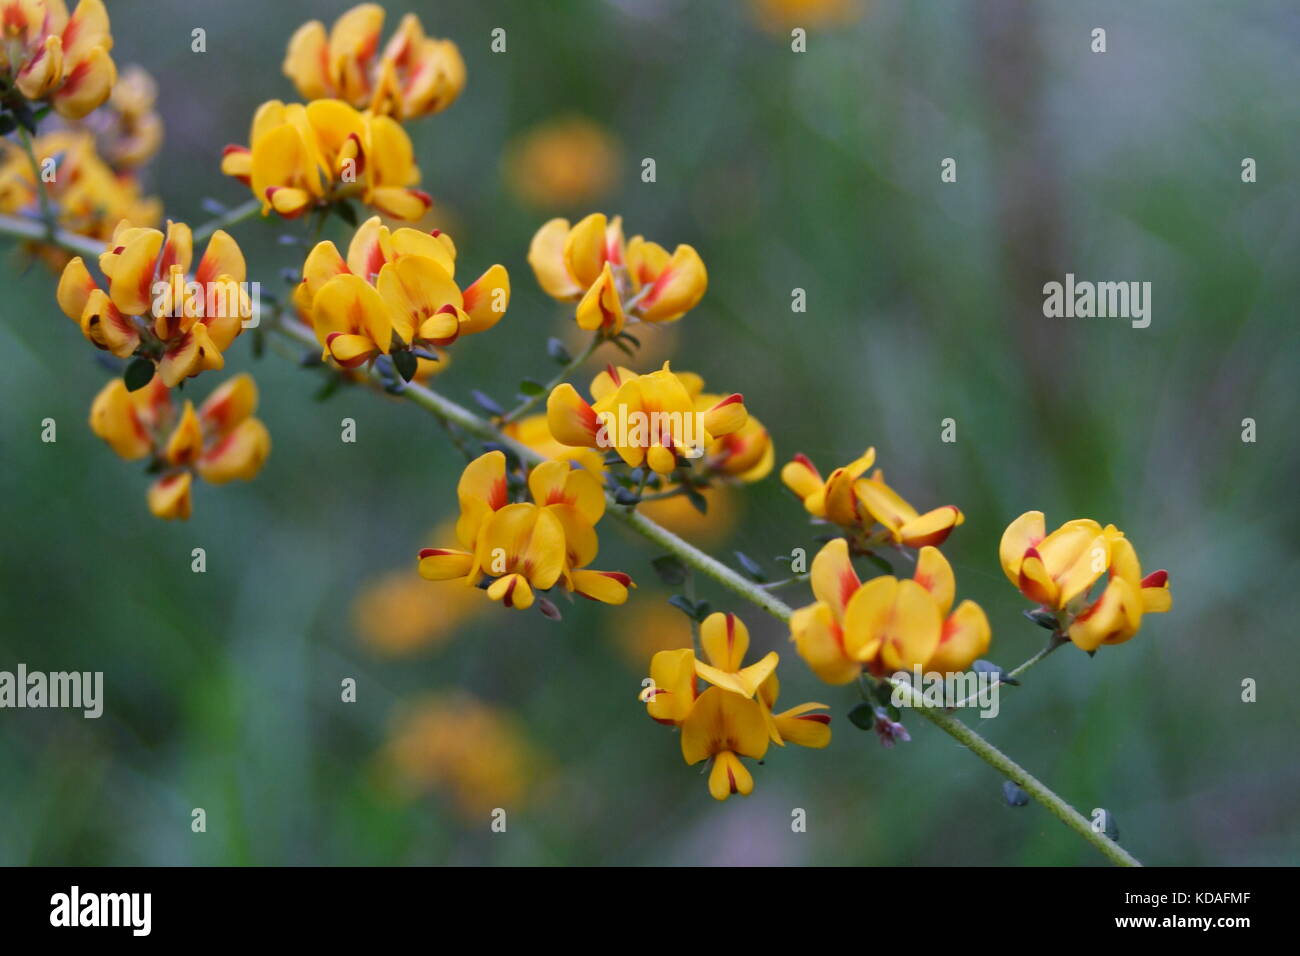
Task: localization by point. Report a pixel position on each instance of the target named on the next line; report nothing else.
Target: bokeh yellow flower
(561, 163)
(473, 753)
(86, 195)
(781, 16)
(128, 130)
(396, 613)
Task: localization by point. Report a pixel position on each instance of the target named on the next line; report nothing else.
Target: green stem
(245, 210)
(693, 557)
(47, 210)
(23, 228)
(528, 404)
(1021, 777)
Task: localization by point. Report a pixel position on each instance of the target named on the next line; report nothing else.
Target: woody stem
(454, 414)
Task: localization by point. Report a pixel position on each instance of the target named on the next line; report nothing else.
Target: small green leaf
(558, 353)
(695, 498)
(528, 388)
(863, 716)
(988, 667)
(347, 212)
(485, 402)
(683, 604)
(138, 373)
(406, 364)
(1043, 618)
(750, 567)
(670, 569)
(329, 388)
(1015, 797)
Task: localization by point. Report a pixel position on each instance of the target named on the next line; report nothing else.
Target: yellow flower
(611, 280)
(128, 129)
(414, 76)
(849, 500)
(533, 432)
(650, 419)
(725, 640)
(1058, 570)
(154, 305)
(781, 16)
(733, 718)
(562, 163)
(473, 753)
(885, 625)
(220, 442)
(47, 55)
(523, 547)
(394, 291)
(87, 196)
(303, 157)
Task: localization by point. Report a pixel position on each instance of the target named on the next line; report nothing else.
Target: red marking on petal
(817, 718)
(1156, 579)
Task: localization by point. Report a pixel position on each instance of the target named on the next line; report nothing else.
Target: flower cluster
(395, 293)
(734, 717)
(523, 547)
(154, 307)
(415, 75)
(886, 625)
(128, 130)
(88, 196)
(47, 55)
(1058, 570)
(866, 506)
(654, 419)
(614, 281)
(305, 157)
(221, 442)
(474, 754)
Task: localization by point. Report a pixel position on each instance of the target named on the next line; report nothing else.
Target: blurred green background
(816, 170)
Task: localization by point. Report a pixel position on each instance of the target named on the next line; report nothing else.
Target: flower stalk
(455, 416)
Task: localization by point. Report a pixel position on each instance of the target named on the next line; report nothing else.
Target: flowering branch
(756, 594)
(456, 416)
